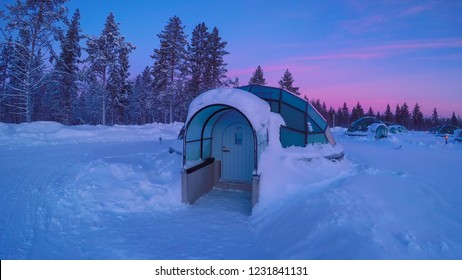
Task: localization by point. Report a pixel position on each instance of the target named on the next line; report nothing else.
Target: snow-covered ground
(95, 192)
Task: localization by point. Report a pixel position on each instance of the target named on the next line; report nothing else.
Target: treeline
(344, 117)
(51, 71)
(71, 84)
(411, 119)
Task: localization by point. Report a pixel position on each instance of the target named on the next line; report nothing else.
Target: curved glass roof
(447, 129)
(304, 125)
(363, 123)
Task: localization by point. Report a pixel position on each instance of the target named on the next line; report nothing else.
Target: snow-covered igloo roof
(256, 110)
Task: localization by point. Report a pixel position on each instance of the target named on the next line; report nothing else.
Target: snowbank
(114, 193)
(45, 133)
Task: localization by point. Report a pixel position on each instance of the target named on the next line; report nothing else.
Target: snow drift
(96, 192)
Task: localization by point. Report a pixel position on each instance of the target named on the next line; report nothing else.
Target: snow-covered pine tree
(257, 77)
(36, 24)
(142, 105)
(100, 54)
(216, 66)
(6, 53)
(67, 72)
(198, 60)
(108, 64)
(120, 76)
(287, 82)
(170, 69)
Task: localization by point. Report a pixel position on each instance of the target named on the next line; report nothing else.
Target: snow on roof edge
(256, 110)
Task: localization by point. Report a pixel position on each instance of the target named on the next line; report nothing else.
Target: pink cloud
(382, 16)
(384, 50)
(334, 56)
(419, 44)
(418, 9)
(363, 25)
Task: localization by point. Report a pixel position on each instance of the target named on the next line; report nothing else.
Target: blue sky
(374, 52)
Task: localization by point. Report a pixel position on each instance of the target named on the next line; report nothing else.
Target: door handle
(224, 149)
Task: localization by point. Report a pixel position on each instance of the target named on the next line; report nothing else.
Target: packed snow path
(114, 193)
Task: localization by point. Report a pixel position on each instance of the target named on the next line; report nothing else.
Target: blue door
(237, 153)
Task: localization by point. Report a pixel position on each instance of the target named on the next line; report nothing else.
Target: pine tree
(357, 112)
(66, 71)
(332, 117)
(198, 57)
(316, 104)
(398, 118)
(257, 77)
(388, 115)
(405, 115)
(234, 83)
(417, 117)
(216, 66)
(108, 63)
(345, 115)
(454, 120)
(120, 75)
(324, 111)
(370, 112)
(6, 54)
(339, 121)
(143, 107)
(287, 81)
(170, 68)
(36, 24)
(434, 119)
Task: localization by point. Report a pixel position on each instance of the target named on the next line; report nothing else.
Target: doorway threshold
(228, 185)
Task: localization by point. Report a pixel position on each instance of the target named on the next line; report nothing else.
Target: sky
(372, 52)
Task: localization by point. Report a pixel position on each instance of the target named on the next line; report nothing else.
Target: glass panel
(293, 100)
(274, 106)
(291, 138)
(293, 118)
(246, 88)
(317, 118)
(193, 150)
(265, 92)
(317, 138)
(313, 127)
(194, 131)
(197, 123)
(208, 129)
(206, 148)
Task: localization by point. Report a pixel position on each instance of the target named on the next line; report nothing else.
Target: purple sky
(374, 52)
